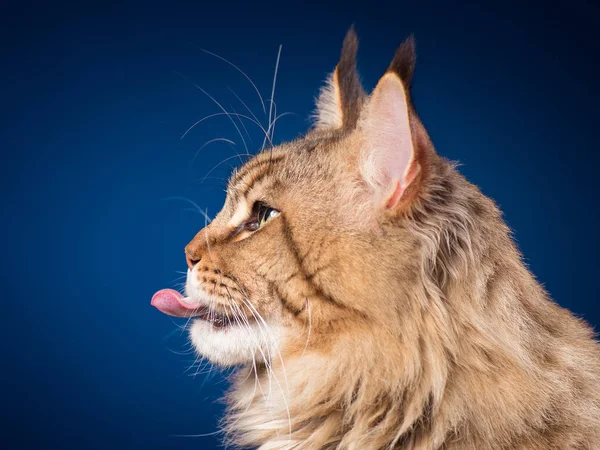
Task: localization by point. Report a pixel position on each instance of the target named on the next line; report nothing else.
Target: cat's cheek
(235, 345)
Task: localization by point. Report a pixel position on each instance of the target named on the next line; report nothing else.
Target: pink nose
(191, 260)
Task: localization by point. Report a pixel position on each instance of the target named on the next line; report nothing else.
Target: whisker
(267, 328)
(239, 314)
(210, 116)
(283, 115)
(273, 93)
(220, 107)
(178, 278)
(244, 104)
(237, 116)
(194, 204)
(170, 334)
(227, 113)
(239, 155)
(214, 433)
(242, 72)
(181, 353)
(254, 365)
(210, 142)
(191, 315)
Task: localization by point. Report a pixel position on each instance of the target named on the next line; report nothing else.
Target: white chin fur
(234, 345)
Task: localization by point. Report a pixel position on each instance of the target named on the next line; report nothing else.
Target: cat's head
(315, 239)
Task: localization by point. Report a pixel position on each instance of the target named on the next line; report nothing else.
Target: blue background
(95, 100)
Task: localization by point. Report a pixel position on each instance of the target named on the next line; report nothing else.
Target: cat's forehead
(284, 162)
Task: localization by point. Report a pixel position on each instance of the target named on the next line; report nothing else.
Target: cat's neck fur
(479, 359)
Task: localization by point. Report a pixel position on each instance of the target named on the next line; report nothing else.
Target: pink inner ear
(389, 141)
(396, 195)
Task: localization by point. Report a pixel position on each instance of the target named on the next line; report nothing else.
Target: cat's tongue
(173, 303)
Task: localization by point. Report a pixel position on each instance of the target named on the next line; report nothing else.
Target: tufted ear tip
(349, 49)
(340, 100)
(403, 63)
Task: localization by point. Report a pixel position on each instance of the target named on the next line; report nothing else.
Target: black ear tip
(404, 60)
(409, 47)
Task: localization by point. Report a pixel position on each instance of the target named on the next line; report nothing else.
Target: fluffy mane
(478, 358)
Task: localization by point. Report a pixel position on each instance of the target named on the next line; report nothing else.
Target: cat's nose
(198, 247)
(191, 259)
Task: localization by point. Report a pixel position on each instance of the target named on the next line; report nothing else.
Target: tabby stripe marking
(254, 164)
(296, 252)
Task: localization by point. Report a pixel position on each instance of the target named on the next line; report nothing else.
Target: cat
(372, 298)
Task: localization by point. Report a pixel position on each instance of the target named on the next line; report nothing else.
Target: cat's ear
(393, 139)
(340, 100)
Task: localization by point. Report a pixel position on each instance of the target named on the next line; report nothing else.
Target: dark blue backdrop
(94, 103)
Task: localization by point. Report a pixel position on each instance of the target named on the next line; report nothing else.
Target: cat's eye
(261, 214)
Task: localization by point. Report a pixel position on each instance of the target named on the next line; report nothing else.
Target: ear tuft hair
(341, 99)
(349, 51)
(351, 88)
(404, 61)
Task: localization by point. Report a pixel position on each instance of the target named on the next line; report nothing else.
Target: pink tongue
(173, 303)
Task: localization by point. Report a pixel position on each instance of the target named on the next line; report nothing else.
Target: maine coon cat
(372, 298)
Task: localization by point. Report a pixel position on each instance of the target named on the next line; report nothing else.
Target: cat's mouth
(172, 303)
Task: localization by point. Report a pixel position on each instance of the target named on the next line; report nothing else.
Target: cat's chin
(235, 345)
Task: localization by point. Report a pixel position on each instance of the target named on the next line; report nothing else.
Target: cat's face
(289, 251)
(269, 253)
(300, 253)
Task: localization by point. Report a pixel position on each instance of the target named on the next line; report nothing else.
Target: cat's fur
(398, 312)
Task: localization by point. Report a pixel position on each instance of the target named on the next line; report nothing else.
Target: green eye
(261, 214)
